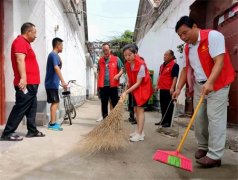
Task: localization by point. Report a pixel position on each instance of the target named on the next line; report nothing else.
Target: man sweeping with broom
(208, 72)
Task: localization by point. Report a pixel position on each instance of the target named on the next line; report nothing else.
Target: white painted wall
(162, 36)
(16, 13)
(51, 21)
(73, 55)
(46, 15)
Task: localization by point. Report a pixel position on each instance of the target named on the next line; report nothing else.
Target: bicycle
(70, 111)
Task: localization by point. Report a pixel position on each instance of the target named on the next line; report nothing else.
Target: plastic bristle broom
(175, 158)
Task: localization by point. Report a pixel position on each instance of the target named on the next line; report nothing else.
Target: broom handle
(190, 124)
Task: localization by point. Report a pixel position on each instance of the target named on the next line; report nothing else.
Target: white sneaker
(134, 133)
(137, 138)
(99, 119)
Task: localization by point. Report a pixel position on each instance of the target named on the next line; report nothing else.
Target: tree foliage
(117, 43)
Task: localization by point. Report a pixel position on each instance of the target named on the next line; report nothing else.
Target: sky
(110, 18)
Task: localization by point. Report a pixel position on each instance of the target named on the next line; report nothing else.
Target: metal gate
(228, 25)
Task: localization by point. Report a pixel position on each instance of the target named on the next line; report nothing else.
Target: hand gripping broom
(175, 158)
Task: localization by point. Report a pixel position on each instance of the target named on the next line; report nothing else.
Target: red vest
(165, 80)
(227, 74)
(113, 70)
(143, 93)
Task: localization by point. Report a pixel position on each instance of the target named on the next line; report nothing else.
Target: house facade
(155, 34)
(65, 19)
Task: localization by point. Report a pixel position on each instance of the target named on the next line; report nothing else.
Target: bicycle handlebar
(70, 81)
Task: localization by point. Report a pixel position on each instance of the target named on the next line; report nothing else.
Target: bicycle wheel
(67, 108)
(72, 109)
(73, 112)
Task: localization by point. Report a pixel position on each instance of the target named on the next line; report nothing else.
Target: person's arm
(172, 89)
(175, 72)
(141, 74)
(131, 89)
(216, 70)
(56, 61)
(181, 83)
(59, 74)
(120, 66)
(135, 86)
(20, 59)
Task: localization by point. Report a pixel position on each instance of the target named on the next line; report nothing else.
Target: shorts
(52, 95)
(134, 104)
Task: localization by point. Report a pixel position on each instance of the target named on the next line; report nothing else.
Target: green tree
(117, 43)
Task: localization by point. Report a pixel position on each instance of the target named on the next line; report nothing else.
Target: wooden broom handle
(190, 124)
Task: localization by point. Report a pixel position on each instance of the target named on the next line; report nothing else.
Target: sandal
(38, 134)
(12, 137)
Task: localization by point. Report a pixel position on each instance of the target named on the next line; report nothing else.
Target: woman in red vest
(166, 83)
(139, 85)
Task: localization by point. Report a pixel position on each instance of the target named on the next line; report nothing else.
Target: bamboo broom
(109, 135)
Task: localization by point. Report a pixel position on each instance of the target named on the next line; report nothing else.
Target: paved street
(57, 155)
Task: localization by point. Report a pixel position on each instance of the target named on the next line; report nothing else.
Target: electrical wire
(115, 17)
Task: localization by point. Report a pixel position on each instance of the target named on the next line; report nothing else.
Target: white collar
(199, 38)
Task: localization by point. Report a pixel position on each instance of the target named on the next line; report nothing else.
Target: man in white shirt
(209, 72)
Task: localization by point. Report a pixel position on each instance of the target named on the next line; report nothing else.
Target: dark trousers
(25, 105)
(105, 93)
(130, 106)
(165, 99)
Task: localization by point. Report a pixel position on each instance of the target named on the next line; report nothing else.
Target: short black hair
(26, 26)
(55, 41)
(130, 47)
(185, 20)
(106, 43)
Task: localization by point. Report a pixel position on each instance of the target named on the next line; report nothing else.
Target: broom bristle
(110, 135)
(173, 158)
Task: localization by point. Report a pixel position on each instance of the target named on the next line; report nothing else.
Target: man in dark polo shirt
(26, 81)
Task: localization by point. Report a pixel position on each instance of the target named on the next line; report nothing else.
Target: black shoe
(134, 122)
(130, 119)
(37, 134)
(207, 162)
(165, 125)
(11, 137)
(157, 124)
(200, 153)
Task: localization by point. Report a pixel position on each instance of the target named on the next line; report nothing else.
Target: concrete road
(57, 155)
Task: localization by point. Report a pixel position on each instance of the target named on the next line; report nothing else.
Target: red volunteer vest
(113, 70)
(143, 93)
(227, 74)
(165, 80)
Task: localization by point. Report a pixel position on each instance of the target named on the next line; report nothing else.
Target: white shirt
(216, 46)
(141, 72)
